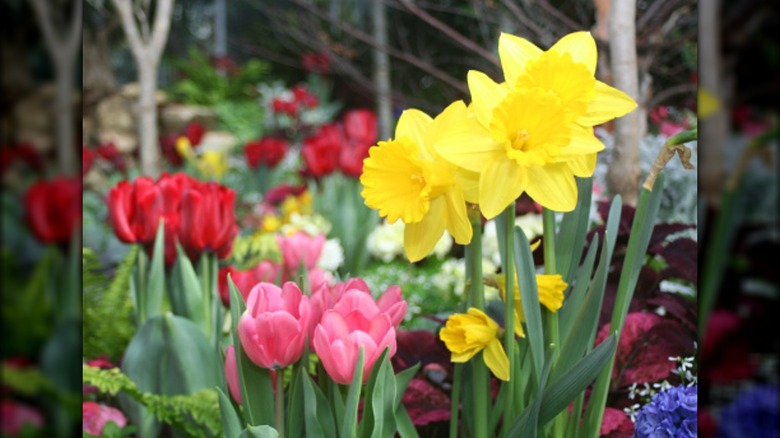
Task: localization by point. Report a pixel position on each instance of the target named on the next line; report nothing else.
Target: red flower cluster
(344, 145)
(268, 151)
(300, 97)
(316, 62)
(198, 214)
(108, 152)
(22, 152)
(194, 132)
(53, 209)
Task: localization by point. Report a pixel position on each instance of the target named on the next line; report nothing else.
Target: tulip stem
(509, 315)
(479, 369)
(279, 401)
(551, 318)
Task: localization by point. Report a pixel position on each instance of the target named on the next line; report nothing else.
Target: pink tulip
(300, 248)
(393, 304)
(274, 326)
(96, 415)
(338, 339)
(231, 373)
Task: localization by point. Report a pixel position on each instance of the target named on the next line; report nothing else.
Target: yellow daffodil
(550, 288)
(533, 133)
(212, 164)
(184, 148)
(466, 335)
(405, 178)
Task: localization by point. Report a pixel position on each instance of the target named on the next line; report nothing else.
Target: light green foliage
(241, 118)
(204, 85)
(197, 414)
(108, 306)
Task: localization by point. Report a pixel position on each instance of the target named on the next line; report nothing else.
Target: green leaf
(230, 422)
(383, 402)
(263, 431)
(169, 355)
(529, 296)
(155, 286)
(402, 380)
(573, 301)
(349, 423)
(406, 428)
(527, 423)
(295, 427)
(187, 298)
(255, 382)
(572, 231)
(317, 414)
(366, 425)
(564, 390)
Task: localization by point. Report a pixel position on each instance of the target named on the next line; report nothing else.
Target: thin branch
(670, 92)
(162, 24)
(130, 28)
(522, 18)
(450, 32)
(143, 22)
(552, 10)
(413, 60)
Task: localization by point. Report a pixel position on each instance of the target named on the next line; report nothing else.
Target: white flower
(332, 255)
(311, 224)
(386, 242)
(530, 223)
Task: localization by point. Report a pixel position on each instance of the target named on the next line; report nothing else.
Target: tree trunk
(147, 119)
(713, 128)
(384, 104)
(624, 170)
(66, 154)
(220, 28)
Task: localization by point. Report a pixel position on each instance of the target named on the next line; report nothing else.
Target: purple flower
(754, 412)
(671, 413)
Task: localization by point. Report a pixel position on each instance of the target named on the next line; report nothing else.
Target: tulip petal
(582, 48)
(515, 52)
(421, 237)
(497, 360)
(552, 186)
(608, 104)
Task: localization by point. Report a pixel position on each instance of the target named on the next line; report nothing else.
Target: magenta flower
(274, 326)
(300, 248)
(96, 415)
(14, 416)
(231, 373)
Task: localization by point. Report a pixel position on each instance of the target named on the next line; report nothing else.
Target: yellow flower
(405, 178)
(550, 288)
(271, 223)
(534, 132)
(466, 335)
(212, 164)
(184, 148)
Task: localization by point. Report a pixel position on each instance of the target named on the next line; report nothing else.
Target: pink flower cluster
(337, 321)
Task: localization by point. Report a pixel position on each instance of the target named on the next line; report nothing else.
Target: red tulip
(268, 151)
(360, 126)
(207, 219)
(53, 209)
(194, 132)
(304, 97)
(265, 271)
(273, 328)
(135, 210)
(321, 151)
(279, 193)
(168, 146)
(283, 106)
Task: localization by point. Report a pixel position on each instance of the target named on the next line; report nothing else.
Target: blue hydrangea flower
(754, 412)
(671, 413)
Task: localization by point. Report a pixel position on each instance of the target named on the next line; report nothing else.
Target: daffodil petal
(552, 186)
(582, 141)
(412, 124)
(551, 288)
(496, 359)
(421, 237)
(519, 318)
(469, 183)
(467, 144)
(582, 166)
(608, 104)
(485, 95)
(515, 52)
(582, 48)
(501, 182)
(442, 123)
(458, 224)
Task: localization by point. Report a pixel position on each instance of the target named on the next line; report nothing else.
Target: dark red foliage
(426, 403)
(421, 346)
(616, 424)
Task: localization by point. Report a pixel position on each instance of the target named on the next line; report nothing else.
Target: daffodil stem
(479, 369)
(551, 329)
(509, 315)
(279, 401)
(455, 399)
